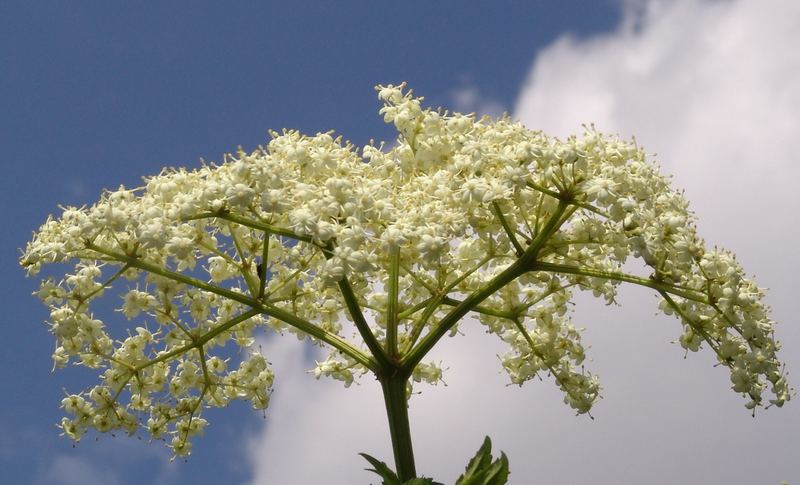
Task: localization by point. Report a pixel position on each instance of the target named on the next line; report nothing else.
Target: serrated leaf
(422, 481)
(481, 470)
(497, 473)
(481, 459)
(382, 470)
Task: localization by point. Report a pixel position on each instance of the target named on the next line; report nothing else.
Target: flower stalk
(396, 401)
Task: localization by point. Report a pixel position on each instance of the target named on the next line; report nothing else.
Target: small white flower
(239, 195)
(135, 302)
(303, 221)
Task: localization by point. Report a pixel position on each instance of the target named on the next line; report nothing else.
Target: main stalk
(394, 395)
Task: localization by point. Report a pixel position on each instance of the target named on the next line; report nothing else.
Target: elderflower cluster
(480, 216)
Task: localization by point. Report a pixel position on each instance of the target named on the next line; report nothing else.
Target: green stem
(245, 264)
(439, 296)
(414, 357)
(694, 326)
(391, 310)
(293, 320)
(559, 196)
(394, 396)
(380, 356)
(479, 308)
(660, 286)
(198, 342)
(262, 275)
(261, 226)
(511, 273)
(509, 231)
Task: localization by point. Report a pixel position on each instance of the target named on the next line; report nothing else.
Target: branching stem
(258, 307)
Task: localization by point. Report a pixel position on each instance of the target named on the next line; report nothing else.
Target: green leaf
(390, 477)
(497, 473)
(481, 459)
(422, 481)
(382, 470)
(481, 470)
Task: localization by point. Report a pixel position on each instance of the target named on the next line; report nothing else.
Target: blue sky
(99, 94)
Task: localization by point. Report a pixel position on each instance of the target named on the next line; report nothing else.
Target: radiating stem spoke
(290, 319)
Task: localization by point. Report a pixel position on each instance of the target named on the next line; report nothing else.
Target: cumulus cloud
(107, 462)
(315, 429)
(711, 87)
(469, 99)
(74, 470)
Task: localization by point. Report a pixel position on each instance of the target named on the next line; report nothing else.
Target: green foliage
(481, 470)
(390, 477)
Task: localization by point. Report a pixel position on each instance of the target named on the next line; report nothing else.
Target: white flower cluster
(461, 215)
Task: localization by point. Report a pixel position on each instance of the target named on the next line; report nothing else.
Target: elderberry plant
(377, 254)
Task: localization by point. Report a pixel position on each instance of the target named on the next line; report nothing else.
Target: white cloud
(712, 88)
(315, 429)
(106, 461)
(75, 470)
(469, 99)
